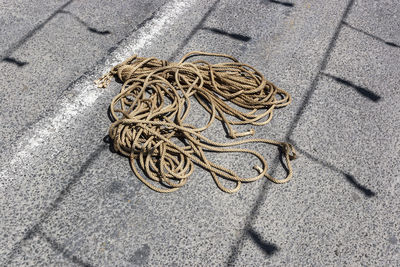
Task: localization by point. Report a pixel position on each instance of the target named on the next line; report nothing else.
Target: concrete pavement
(67, 200)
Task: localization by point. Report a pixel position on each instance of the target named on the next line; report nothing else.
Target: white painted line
(89, 93)
(155, 27)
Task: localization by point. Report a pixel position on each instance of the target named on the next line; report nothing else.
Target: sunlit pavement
(67, 200)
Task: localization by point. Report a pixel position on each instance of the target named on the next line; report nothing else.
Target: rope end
(290, 151)
(235, 134)
(104, 81)
(258, 168)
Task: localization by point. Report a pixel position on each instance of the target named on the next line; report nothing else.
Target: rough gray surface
(67, 200)
(43, 56)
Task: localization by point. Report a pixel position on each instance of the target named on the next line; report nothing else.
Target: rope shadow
(15, 61)
(365, 92)
(267, 247)
(235, 36)
(371, 35)
(287, 4)
(89, 28)
(349, 177)
(246, 231)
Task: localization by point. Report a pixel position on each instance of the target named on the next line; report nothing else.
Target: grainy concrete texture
(67, 200)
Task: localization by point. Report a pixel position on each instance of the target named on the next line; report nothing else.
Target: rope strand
(154, 101)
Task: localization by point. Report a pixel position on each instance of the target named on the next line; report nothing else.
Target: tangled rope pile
(154, 101)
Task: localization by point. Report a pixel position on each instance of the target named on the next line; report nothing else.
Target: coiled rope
(149, 117)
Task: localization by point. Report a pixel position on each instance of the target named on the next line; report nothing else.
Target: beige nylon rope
(154, 101)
